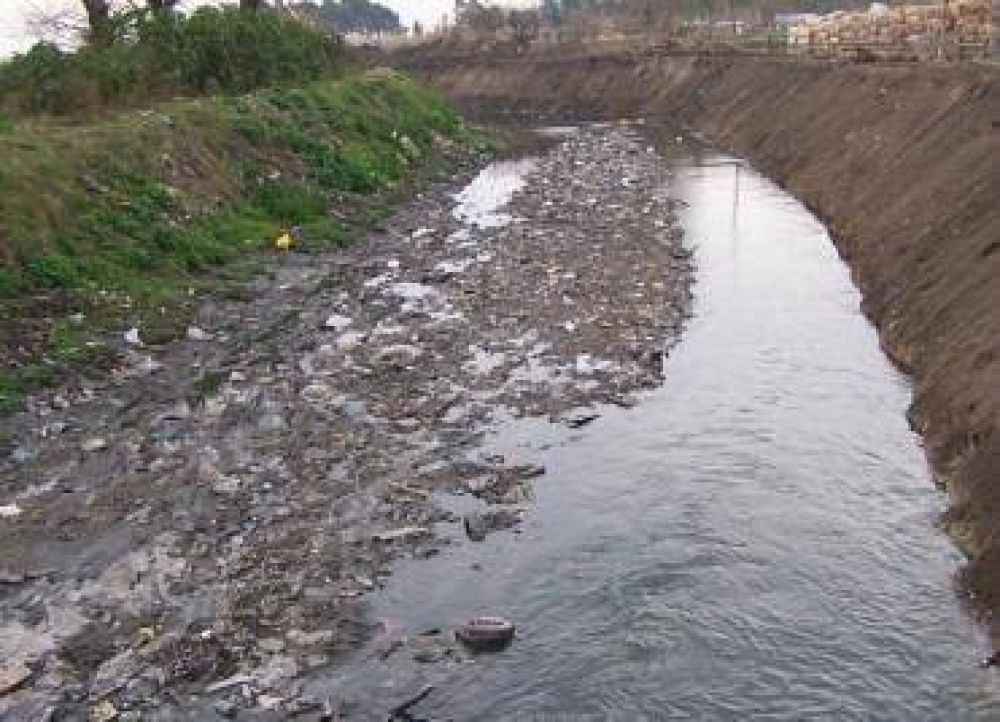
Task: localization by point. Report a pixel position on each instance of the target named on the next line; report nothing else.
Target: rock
(227, 709)
(104, 712)
(13, 676)
(146, 365)
(428, 656)
(478, 525)
(271, 422)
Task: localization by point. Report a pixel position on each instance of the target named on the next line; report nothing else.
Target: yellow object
(284, 242)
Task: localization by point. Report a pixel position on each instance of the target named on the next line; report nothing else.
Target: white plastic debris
(196, 334)
(132, 337)
(338, 322)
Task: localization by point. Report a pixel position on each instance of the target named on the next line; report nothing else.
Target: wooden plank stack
(946, 28)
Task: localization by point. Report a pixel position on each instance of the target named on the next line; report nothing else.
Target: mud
(204, 526)
(899, 160)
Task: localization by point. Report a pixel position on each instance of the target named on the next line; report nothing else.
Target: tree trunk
(251, 6)
(158, 6)
(99, 21)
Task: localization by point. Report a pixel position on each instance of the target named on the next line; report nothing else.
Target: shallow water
(755, 540)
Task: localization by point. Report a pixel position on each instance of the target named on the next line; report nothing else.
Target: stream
(755, 539)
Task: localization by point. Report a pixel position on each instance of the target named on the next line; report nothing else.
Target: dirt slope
(902, 163)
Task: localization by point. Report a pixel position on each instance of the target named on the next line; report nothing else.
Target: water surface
(756, 540)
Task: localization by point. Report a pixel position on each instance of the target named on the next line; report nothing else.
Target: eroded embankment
(901, 163)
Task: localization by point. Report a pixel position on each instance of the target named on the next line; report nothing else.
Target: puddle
(480, 203)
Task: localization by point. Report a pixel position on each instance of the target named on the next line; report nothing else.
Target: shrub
(163, 55)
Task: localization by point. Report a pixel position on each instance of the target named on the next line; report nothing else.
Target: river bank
(899, 160)
(211, 520)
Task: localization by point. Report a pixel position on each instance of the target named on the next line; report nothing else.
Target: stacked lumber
(962, 23)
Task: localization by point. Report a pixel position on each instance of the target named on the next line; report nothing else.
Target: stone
(13, 676)
(478, 525)
(104, 712)
(227, 709)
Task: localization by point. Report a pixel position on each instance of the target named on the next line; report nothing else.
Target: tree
(524, 26)
(481, 19)
(158, 6)
(98, 21)
(251, 6)
(353, 16)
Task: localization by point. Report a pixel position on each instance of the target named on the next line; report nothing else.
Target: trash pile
(205, 524)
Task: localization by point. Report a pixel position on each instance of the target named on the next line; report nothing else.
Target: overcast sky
(14, 34)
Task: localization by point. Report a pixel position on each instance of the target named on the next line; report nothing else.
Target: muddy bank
(203, 527)
(901, 163)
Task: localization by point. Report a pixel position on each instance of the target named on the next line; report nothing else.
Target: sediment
(899, 160)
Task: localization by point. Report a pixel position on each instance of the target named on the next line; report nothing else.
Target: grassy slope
(129, 220)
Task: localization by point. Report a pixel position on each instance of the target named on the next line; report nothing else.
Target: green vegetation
(155, 56)
(129, 220)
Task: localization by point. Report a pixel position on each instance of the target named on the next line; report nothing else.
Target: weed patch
(131, 219)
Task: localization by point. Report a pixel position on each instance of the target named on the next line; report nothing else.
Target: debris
(9, 510)
(196, 334)
(402, 710)
(578, 422)
(310, 639)
(145, 635)
(93, 444)
(284, 242)
(338, 322)
(486, 633)
(269, 701)
(233, 681)
(403, 533)
(132, 337)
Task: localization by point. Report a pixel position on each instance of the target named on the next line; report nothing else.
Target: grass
(132, 219)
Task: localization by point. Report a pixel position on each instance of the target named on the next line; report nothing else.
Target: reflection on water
(755, 540)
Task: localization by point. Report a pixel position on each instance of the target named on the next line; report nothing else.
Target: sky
(15, 36)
